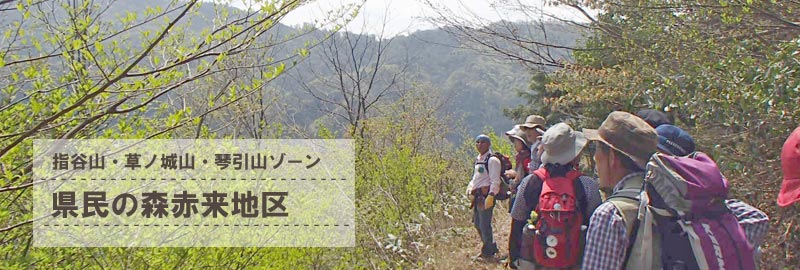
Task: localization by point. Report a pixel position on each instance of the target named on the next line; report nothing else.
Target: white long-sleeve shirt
(481, 178)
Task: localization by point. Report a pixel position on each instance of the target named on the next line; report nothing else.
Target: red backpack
(557, 239)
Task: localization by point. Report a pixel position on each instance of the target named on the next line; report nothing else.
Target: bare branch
(91, 95)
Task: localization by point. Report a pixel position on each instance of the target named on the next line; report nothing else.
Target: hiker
(485, 184)
(562, 198)
(790, 163)
(621, 236)
(521, 160)
(520, 171)
(675, 141)
(534, 128)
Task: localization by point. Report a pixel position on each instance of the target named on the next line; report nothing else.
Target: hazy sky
(405, 16)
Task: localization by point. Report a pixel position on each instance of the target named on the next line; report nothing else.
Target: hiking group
(656, 203)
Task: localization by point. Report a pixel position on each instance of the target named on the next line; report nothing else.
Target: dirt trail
(457, 252)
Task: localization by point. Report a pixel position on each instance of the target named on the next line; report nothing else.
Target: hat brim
(566, 156)
(516, 133)
(524, 142)
(531, 126)
(594, 135)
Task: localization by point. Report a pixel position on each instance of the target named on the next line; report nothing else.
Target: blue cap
(674, 140)
(483, 138)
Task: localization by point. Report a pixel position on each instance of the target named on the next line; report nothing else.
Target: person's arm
(533, 190)
(754, 222)
(471, 184)
(519, 174)
(592, 189)
(494, 175)
(518, 178)
(519, 210)
(606, 240)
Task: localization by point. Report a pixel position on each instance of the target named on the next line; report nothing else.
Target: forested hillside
(473, 87)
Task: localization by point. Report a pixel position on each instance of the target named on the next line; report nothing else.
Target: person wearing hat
(482, 188)
(518, 138)
(790, 165)
(534, 128)
(623, 145)
(562, 147)
(675, 141)
(520, 171)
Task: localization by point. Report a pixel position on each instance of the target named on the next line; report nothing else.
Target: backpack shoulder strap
(627, 207)
(485, 161)
(626, 201)
(541, 173)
